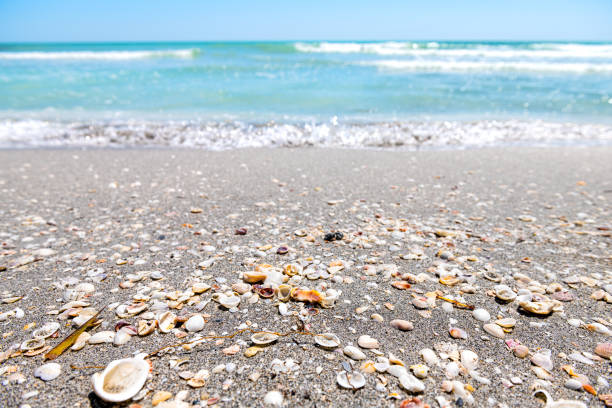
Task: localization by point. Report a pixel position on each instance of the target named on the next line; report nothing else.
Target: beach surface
(148, 225)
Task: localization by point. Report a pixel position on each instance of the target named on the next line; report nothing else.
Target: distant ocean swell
(409, 135)
(99, 55)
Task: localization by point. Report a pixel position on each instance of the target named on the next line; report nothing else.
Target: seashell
(48, 372)
(106, 336)
(420, 370)
(604, 350)
(469, 359)
(481, 315)
(228, 301)
(377, 317)
(329, 298)
(457, 333)
(397, 370)
(543, 359)
(401, 285)
(273, 398)
(550, 403)
(354, 353)
(507, 322)
(521, 351)
(352, 381)
(254, 277)
(410, 383)
(121, 337)
(368, 342)
(573, 384)
(195, 323)
(539, 308)
(504, 293)
(563, 296)
(306, 295)
(146, 327)
(199, 379)
(264, 338)
(80, 341)
(264, 292)
(136, 308)
(420, 302)
(166, 321)
(160, 396)
(47, 330)
(327, 340)
(200, 287)
(450, 280)
(293, 269)
(580, 358)
(452, 370)
(429, 356)
(492, 276)
(121, 379)
(241, 288)
(284, 292)
(494, 330)
(403, 325)
(32, 344)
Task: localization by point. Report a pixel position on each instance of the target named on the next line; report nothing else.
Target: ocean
(221, 95)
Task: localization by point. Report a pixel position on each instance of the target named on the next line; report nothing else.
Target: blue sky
(154, 20)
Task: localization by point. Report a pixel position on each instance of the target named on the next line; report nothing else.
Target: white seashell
(166, 321)
(540, 308)
(228, 301)
(284, 292)
(403, 325)
(199, 287)
(494, 330)
(452, 370)
(354, 353)
(46, 330)
(550, 403)
(411, 384)
(368, 342)
(352, 380)
(420, 370)
(264, 338)
(504, 293)
(507, 322)
(429, 356)
(581, 359)
(573, 384)
(481, 315)
(80, 341)
(32, 344)
(102, 337)
(469, 359)
(195, 323)
(274, 398)
(121, 379)
(327, 340)
(543, 359)
(283, 309)
(121, 337)
(397, 370)
(48, 372)
(382, 364)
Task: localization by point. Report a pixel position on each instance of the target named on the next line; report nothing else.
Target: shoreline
(539, 213)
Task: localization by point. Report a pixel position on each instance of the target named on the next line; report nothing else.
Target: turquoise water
(44, 87)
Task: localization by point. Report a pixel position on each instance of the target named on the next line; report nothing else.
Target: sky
(248, 20)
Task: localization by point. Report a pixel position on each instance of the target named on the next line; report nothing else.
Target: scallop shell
(46, 330)
(121, 379)
(48, 372)
(264, 338)
(504, 293)
(284, 292)
(604, 350)
(352, 381)
(327, 340)
(166, 321)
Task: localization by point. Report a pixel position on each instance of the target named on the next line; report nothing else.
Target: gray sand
(93, 204)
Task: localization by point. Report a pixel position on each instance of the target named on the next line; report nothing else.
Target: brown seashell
(563, 296)
(264, 292)
(604, 350)
(457, 333)
(540, 308)
(146, 327)
(521, 351)
(254, 277)
(401, 285)
(306, 295)
(403, 325)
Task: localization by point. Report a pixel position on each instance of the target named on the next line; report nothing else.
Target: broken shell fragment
(327, 340)
(228, 301)
(543, 359)
(166, 322)
(48, 372)
(146, 327)
(539, 308)
(33, 344)
(550, 403)
(264, 338)
(306, 295)
(504, 293)
(353, 380)
(121, 379)
(254, 277)
(106, 336)
(457, 333)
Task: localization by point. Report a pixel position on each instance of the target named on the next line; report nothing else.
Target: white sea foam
(99, 55)
(488, 66)
(231, 135)
(537, 51)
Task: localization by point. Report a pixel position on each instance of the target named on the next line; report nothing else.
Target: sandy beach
(145, 226)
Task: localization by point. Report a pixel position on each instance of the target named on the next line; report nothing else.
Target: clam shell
(481, 315)
(166, 321)
(264, 338)
(80, 341)
(32, 344)
(354, 353)
(195, 323)
(410, 383)
(507, 322)
(228, 301)
(121, 379)
(494, 330)
(254, 277)
(327, 340)
(469, 359)
(604, 350)
(46, 330)
(457, 333)
(403, 325)
(352, 381)
(504, 293)
(368, 342)
(121, 337)
(241, 288)
(146, 327)
(306, 295)
(284, 292)
(102, 337)
(48, 372)
(200, 287)
(540, 308)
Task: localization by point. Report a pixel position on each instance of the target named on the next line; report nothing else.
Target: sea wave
(407, 135)
(487, 66)
(100, 55)
(534, 51)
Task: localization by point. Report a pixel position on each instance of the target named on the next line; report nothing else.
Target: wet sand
(543, 213)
